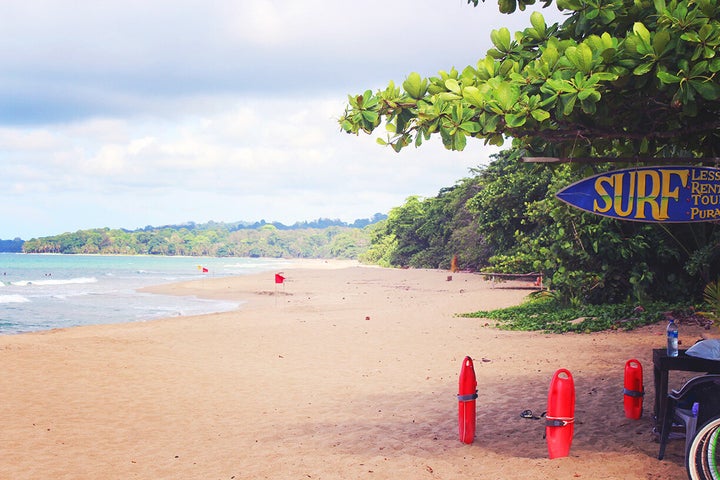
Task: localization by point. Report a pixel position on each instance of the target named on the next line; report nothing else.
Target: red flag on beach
(279, 278)
(204, 270)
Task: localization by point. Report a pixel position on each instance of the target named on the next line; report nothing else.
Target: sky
(128, 113)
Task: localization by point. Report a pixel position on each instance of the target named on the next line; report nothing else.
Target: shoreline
(40, 292)
(346, 372)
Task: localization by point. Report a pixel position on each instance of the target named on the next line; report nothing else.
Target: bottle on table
(672, 339)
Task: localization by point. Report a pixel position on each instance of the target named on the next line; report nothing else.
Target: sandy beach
(341, 372)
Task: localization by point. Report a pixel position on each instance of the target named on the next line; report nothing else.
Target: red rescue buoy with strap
(560, 418)
(467, 393)
(634, 391)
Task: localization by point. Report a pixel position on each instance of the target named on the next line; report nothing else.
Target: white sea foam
(91, 289)
(65, 296)
(13, 299)
(68, 281)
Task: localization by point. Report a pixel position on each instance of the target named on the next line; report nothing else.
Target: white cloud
(125, 114)
(275, 167)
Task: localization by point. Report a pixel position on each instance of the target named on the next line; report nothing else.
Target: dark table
(662, 364)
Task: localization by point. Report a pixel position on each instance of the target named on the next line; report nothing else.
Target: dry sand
(342, 372)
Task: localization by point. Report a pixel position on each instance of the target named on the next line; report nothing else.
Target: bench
(534, 277)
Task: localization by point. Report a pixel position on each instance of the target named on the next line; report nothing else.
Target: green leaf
(496, 54)
(415, 86)
(490, 123)
(507, 6)
(506, 67)
(668, 78)
(690, 37)
(569, 4)
(643, 68)
(486, 68)
(603, 77)
(643, 46)
(496, 140)
(470, 127)
(607, 17)
(459, 141)
(538, 22)
(507, 95)
(592, 13)
(550, 56)
(370, 117)
(540, 115)
(515, 120)
(560, 86)
(368, 100)
(346, 125)
(580, 57)
(568, 103)
(642, 32)
(453, 85)
(473, 96)
(448, 96)
(660, 41)
(501, 39)
(707, 89)
(588, 93)
(631, 43)
(699, 69)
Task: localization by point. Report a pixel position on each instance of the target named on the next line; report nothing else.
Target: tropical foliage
(505, 219)
(335, 240)
(547, 314)
(617, 78)
(711, 296)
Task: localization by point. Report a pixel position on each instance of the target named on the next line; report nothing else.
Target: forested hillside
(505, 218)
(320, 239)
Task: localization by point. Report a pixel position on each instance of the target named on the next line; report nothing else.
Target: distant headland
(321, 238)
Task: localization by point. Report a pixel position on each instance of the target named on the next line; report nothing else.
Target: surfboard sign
(670, 194)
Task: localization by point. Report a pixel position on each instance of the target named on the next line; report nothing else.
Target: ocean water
(42, 292)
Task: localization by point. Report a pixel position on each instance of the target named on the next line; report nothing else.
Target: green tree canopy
(617, 78)
(506, 218)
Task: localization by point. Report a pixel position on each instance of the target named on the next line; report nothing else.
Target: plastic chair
(705, 390)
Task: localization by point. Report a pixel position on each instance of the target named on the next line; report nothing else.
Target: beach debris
(486, 360)
(367, 317)
(690, 317)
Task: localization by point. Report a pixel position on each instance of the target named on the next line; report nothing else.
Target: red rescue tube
(634, 391)
(467, 393)
(560, 419)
